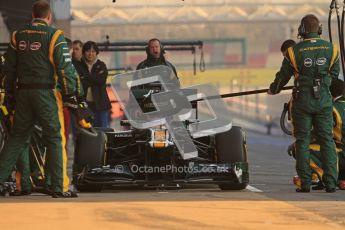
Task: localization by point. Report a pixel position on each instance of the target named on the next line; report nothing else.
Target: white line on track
(253, 189)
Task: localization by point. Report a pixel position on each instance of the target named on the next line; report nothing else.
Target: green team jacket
(310, 58)
(38, 54)
(339, 120)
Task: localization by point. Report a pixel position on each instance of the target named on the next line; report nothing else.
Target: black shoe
(2, 190)
(319, 186)
(20, 193)
(302, 189)
(7, 188)
(330, 190)
(45, 191)
(68, 194)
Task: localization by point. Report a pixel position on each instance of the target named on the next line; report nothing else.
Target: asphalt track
(270, 202)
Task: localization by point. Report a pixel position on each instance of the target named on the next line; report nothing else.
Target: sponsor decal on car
(123, 135)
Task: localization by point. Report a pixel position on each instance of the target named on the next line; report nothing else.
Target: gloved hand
(70, 101)
(83, 114)
(81, 102)
(269, 92)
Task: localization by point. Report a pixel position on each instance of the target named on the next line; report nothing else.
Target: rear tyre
(231, 148)
(90, 151)
(89, 154)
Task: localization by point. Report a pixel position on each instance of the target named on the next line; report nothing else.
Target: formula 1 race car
(150, 157)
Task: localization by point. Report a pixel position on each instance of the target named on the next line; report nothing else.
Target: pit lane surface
(269, 203)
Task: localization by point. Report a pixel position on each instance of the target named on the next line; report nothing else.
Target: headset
(301, 29)
(147, 48)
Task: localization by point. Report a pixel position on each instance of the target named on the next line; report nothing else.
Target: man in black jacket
(155, 56)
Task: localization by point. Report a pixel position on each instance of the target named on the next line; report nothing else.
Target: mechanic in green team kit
(38, 59)
(313, 62)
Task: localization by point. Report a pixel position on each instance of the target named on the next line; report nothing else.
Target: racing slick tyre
(89, 153)
(231, 148)
(90, 150)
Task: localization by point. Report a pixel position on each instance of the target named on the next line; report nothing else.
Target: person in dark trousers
(37, 61)
(313, 62)
(23, 183)
(337, 91)
(23, 172)
(93, 76)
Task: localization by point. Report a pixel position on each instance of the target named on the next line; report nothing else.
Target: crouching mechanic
(23, 182)
(36, 61)
(337, 90)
